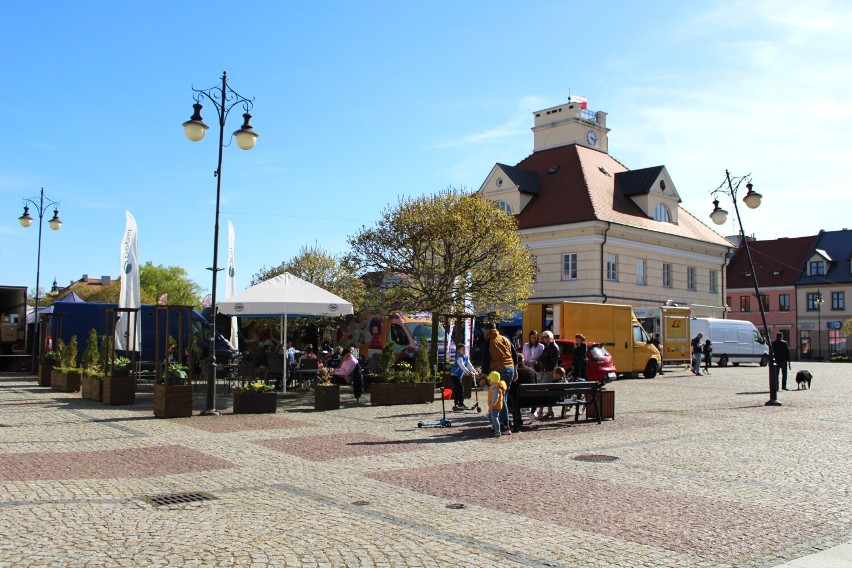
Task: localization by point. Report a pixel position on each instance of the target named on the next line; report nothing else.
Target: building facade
(601, 232)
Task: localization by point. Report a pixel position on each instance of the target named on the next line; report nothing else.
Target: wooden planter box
(606, 400)
(44, 370)
(91, 388)
(172, 401)
(119, 389)
(384, 394)
(467, 384)
(255, 402)
(327, 397)
(65, 382)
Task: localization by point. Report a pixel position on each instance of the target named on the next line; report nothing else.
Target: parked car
(599, 364)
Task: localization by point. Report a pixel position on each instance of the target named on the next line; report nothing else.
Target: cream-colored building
(601, 232)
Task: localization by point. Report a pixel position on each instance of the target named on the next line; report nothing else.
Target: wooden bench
(577, 394)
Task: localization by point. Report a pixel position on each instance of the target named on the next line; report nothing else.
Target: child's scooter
(476, 394)
(443, 422)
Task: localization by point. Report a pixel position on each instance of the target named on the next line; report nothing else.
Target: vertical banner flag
(130, 295)
(231, 284)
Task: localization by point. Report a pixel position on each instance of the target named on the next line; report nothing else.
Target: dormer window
(661, 213)
(505, 207)
(816, 268)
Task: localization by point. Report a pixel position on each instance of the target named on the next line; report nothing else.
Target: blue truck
(79, 318)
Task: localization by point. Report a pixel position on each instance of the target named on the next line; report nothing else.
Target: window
(837, 301)
(667, 275)
(745, 304)
(569, 266)
(505, 207)
(714, 280)
(640, 273)
(661, 213)
(814, 301)
(836, 341)
(690, 278)
(784, 302)
(612, 267)
(765, 298)
(816, 268)
(729, 302)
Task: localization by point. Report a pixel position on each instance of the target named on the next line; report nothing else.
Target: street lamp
(224, 98)
(819, 301)
(719, 216)
(26, 220)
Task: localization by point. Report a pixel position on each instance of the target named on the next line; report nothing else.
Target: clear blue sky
(359, 103)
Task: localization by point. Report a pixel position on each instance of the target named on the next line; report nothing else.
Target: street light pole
(223, 98)
(719, 215)
(819, 301)
(26, 220)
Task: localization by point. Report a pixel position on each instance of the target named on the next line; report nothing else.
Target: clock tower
(570, 123)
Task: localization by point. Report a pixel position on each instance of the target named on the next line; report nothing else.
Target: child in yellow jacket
(496, 398)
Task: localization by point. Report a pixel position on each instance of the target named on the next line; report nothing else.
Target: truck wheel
(764, 361)
(723, 361)
(650, 370)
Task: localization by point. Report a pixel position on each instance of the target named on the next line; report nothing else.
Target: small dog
(803, 380)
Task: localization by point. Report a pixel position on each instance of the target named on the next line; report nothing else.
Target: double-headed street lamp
(818, 301)
(26, 220)
(224, 98)
(719, 216)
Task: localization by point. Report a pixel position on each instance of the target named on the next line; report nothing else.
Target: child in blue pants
(496, 395)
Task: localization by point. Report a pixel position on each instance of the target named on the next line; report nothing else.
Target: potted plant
(91, 381)
(173, 396)
(326, 395)
(255, 398)
(403, 386)
(48, 361)
(66, 377)
(119, 386)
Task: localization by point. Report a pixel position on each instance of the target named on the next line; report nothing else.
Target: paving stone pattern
(701, 473)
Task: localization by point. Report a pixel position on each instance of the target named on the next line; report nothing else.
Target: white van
(733, 341)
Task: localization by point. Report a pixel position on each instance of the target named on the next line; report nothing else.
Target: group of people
(780, 351)
(504, 370)
(699, 351)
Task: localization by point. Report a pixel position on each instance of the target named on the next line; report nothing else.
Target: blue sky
(357, 104)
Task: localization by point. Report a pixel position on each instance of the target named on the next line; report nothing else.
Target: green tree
(445, 249)
(173, 280)
(91, 356)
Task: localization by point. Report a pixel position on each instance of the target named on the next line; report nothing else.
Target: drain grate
(177, 498)
(596, 458)
(455, 506)
(361, 503)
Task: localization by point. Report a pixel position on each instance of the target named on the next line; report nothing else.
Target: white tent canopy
(287, 295)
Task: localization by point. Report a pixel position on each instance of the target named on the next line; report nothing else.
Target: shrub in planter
(66, 377)
(48, 361)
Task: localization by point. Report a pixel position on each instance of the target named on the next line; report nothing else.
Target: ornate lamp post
(223, 98)
(26, 220)
(719, 216)
(819, 301)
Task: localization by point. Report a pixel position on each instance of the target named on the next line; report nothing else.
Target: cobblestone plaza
(693, 471)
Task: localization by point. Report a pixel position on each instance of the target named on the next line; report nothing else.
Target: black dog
(803, 379)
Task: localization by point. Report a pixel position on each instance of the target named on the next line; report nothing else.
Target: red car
(599, 365)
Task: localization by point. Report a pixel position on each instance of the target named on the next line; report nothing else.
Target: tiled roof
(584, 189)
(777, 262)
(837, 246)
(525, 180)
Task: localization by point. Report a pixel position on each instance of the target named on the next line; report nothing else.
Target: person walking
(657, 342)
(707, 350)
(697, 352)
(499, 355)
(781, 350)
(461, 367)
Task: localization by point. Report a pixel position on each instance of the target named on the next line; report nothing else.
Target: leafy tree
(444, 249)
(847, 327)
(91, 356)
(173, 280)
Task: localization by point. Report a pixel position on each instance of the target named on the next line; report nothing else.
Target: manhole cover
(595, 458)
(177, 498)
(361, 503)
(455, 506)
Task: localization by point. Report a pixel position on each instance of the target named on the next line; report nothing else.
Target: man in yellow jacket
(499, 355)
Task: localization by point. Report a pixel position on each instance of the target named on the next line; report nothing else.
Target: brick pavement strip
(705, 476)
